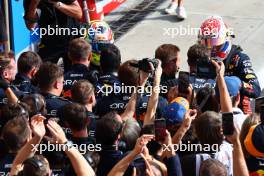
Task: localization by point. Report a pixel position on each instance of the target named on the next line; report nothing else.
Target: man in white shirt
(234, 85)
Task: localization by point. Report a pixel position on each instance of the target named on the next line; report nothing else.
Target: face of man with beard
(173, 66)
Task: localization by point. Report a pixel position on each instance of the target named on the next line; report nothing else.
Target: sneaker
(171, 8)
(181, 13)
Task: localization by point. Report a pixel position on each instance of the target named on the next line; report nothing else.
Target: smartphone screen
(160, 129)
(183, 82)
(228, 123)
(148, 129)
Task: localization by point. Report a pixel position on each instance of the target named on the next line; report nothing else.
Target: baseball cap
(233, 84)
(254, 141)
(175, 111)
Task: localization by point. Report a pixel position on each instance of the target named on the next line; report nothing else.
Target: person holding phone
(234, 85)
(208, 128)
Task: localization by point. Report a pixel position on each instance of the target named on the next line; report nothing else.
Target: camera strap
(201, 105)
(192, 97)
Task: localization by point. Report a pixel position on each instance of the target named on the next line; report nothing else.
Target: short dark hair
(76, 116)
(166, 52)
(47, 74)
(195, 52)
(128, 74)
(36, 104)
(10, 111)
(36, 166)
(16, 132)
(211, 104)
(211, 167)
(130, 133)
(208, 128)
(4, 64)
(110, 59)
(79, 49)
(27, 61)
(108, 128)
(81, 91)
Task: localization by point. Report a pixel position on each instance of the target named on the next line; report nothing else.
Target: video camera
(145, 65)
(205, 68)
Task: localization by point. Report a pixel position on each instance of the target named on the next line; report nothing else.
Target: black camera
(205, 68)
(145, 65)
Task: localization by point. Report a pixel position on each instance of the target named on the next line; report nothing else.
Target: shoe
(181, 13)
(171, 8)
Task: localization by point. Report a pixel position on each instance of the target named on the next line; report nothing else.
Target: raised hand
(37, 125)
(58, 135)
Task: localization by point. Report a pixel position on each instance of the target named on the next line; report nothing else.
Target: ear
(56, 84)
(33, 72)
(92, 100)
(90, 57)
(5, 74)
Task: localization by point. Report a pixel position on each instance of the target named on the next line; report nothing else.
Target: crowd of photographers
(131, 118)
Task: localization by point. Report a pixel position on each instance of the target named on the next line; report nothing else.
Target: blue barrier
(21, 37)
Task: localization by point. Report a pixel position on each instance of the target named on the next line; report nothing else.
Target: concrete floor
(245, 17)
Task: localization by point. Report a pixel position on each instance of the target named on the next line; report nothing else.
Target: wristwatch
(68, 145)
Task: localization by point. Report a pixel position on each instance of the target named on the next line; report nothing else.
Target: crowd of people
(97, 115)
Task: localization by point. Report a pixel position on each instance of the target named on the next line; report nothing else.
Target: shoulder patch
(250, 76)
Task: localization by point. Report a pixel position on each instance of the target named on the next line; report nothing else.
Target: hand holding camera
(158, 71)
(219, 67)
(147, 65)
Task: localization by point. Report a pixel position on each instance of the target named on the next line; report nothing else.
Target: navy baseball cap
(254, 141)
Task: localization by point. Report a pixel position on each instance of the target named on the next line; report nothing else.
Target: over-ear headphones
(122, 146)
